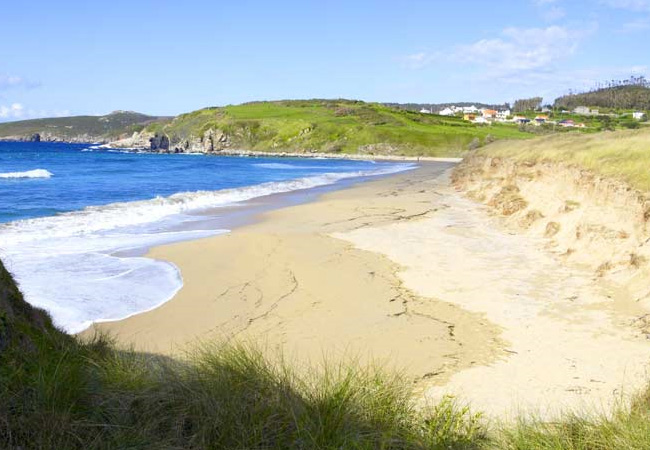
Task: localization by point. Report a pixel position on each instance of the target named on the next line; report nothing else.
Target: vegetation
(623, 155)
(59, 392)
(633, 93)
(527, 104)
(97, 128)
(341, 126)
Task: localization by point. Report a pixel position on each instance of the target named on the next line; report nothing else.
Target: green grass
(623, 155)
(336, 126)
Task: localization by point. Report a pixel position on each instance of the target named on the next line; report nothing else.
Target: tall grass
(622, 154)
(70, 395)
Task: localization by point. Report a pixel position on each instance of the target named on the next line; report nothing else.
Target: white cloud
(554, 13)
(630, 5)
(17, 111)
(519, 51)
(13, 111)
(636, 25)
(12, 81)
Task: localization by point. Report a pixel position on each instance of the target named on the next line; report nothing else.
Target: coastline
(286, 283)
(395, 270)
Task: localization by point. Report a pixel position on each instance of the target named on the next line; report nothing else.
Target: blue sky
(167, 57)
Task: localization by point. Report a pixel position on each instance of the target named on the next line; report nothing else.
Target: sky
(167, 57)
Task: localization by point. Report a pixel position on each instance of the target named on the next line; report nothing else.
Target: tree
(527, 104)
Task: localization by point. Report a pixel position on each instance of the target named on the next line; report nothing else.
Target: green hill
(334, 126)
(77, 128)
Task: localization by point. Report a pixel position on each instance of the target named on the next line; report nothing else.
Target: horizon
(168, 59)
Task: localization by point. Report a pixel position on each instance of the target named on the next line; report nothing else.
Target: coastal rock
(211, 141)
(136, 140)
(35, 137)
(159, 142)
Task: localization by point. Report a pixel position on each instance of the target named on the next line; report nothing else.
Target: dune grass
(623, 155)
(69, 395)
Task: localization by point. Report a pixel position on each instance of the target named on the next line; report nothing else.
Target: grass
(92, 397)
(342, 126)
(623, 155)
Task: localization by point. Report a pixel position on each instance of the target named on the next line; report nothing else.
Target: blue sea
(76, 220)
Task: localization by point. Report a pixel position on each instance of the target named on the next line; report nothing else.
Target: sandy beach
(405, 271)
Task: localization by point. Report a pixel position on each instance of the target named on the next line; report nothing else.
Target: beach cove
(404, 271)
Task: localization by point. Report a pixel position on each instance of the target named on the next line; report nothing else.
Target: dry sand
(286, 282)
(406, 271)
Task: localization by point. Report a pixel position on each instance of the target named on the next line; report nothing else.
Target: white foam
(36, 173)
(277, 166)
(71, 264)
(107, 217)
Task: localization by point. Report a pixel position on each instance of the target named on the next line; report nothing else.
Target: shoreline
(394, 270)
(262, 154)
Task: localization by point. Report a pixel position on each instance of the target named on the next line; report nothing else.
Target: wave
(278, 166)
(94, 219)
(83, 266)
(36, 173)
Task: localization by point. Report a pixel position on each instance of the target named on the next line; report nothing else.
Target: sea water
(75, 219)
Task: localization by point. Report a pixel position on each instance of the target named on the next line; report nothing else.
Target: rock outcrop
(159, 142)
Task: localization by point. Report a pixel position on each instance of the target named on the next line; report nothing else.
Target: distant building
(567, 123)
(503, 115)
(470, 109)
(425, 111)
(541, 119)
(447, 112)
(520, 119)
(489, 114)
(469, 117)
(583, 110)
(638, 115)
(480, 120)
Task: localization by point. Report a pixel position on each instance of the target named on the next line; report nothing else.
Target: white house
(584, 110)
(470, 109)
(638, 115)
(480, 120)
(503, 115)
(425, 111)
(447, 112)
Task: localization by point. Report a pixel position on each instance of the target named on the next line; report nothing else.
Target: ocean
(76, 220)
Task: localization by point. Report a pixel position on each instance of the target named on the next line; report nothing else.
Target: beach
(406, 272)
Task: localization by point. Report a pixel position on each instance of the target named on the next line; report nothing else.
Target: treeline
(631, 93)
(527, 104)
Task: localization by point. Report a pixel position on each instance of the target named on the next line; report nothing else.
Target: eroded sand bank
(406, 271)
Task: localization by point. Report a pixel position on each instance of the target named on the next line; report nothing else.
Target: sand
(405, 271)
(286, 283)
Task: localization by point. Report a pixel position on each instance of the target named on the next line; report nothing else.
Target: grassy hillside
(334, 126)
(106, 127)
(59, 393)
(623, 155)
